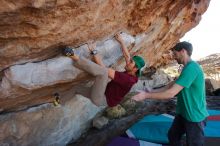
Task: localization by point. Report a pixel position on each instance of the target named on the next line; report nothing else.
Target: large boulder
(32, 35)
(47, 124)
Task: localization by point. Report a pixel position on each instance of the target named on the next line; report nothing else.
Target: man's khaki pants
(97, 92)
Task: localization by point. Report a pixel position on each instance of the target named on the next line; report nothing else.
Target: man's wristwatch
(94, 52)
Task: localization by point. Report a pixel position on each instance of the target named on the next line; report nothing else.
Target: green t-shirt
(191, 102)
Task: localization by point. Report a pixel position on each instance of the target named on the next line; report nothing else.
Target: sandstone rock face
(32, 35)
(20, 80)
(34, 30)
(47, 125)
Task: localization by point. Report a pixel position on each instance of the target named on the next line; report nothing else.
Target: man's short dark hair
(184, 45)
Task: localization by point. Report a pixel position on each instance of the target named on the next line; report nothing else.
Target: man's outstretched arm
(98, 60)
(166, 94)
(96, 57)
(124, 49)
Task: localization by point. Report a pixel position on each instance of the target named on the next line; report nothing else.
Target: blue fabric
(212, 128)
(154, 128)
(214, 112)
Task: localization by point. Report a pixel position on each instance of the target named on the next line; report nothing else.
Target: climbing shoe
(68, 51)
(115, 112)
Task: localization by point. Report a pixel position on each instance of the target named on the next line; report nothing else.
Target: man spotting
(189, 88)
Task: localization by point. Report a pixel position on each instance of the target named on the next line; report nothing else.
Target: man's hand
(118, 37)
(141, 96)
(124, 49)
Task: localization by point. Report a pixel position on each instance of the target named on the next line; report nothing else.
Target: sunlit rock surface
(32, 68)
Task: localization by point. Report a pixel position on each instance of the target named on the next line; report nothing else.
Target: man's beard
(178, 61)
